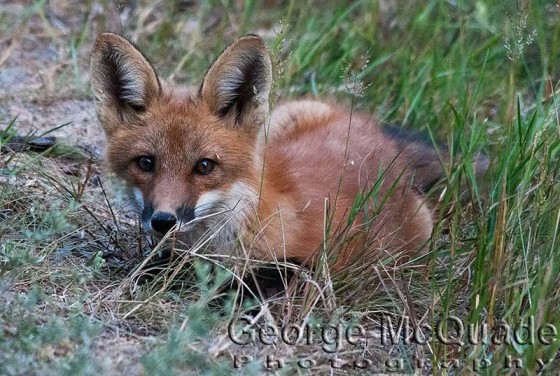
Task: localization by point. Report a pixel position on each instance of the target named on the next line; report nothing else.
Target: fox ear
(237, 85)
(123, 81)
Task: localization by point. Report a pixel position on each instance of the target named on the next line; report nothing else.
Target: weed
(478, 75)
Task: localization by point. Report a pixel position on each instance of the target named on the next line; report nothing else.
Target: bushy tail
(429, 165)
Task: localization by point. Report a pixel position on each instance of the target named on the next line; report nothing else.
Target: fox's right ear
(123, 81)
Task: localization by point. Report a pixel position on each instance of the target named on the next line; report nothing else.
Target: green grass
(478, 75)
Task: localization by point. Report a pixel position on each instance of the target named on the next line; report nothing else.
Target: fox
(218, 166)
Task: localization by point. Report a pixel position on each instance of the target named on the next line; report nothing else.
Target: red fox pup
(215, 164)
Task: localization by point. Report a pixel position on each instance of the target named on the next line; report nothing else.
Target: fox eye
(146, 163)
(204, 166)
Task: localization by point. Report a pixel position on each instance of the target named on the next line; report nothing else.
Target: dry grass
(75, 295)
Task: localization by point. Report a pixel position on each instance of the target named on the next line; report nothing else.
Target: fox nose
(162, 222)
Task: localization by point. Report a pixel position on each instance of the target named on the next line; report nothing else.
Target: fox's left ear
(237, 85)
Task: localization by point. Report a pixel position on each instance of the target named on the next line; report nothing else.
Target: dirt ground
(44, 89)
(44, 80)
(44, 84)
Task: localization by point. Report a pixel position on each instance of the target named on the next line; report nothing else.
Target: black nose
(162, 222)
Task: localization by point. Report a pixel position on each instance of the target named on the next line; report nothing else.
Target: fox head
(187, 154)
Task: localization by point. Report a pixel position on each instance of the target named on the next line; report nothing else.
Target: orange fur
(278, 178)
